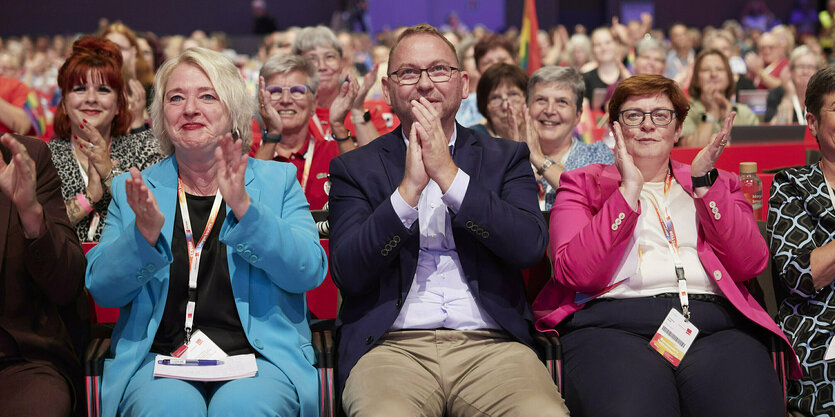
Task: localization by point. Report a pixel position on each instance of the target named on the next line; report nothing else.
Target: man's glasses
(439, 73)
(297, 91)
(659, 117)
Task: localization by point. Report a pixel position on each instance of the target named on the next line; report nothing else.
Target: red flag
(529, 56)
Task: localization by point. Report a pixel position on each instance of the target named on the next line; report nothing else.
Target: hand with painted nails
(95, 148)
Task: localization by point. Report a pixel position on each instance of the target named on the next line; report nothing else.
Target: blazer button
(247, 253)
(712, 204)
(485, 234)
(717, 216)
(717, 275)
(369, 340)
(258, 344)
(239, 247)
(384, 252)
(614, 227)
(618, 221)
(621, 216)
(396, 239)
(715, 210)
(253, 259)
(388, 246)
(469, 224)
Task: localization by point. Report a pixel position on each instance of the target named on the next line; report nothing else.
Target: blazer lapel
(393, 158)
(468, 152)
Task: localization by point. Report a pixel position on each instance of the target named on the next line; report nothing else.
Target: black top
(215, 313)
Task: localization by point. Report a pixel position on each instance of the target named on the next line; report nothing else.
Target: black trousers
(610, 370)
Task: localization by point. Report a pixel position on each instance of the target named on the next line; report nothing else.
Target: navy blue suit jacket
(498, 231)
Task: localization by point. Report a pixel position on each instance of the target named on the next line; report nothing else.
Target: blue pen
(190, 362)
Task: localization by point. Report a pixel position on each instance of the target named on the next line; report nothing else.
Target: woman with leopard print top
(91, 124)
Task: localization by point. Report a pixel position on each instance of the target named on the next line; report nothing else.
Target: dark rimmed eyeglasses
(659, 117)
(439, 73)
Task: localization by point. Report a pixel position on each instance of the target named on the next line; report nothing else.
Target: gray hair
(287, 63)
(562, 77)
(650, 44)
(805, 50)
(313, 36)
(227, 82)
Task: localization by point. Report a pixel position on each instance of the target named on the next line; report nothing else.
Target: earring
(236, 134)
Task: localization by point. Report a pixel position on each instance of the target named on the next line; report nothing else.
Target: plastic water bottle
(752, 187)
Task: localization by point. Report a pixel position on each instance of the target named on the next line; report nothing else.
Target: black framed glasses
(439, 73)
(297, 91)
(659, 117)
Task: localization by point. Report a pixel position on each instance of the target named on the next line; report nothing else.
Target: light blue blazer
(274, 256)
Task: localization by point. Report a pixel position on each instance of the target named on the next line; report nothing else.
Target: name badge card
(199, 347)
(674, 338)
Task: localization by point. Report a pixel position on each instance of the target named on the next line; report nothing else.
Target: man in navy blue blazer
(430, 227)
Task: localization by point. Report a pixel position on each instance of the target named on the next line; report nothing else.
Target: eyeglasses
(440, 73)
(514, 97)
(329, 59)
(659, 117)
(297, 91)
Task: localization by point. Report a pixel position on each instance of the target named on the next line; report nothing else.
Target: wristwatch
(365, 118)
(268, 137)
(708, 118)
(707, 180)
(333, 136)
(545, 165)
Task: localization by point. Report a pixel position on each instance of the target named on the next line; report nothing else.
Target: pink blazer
(591, 226)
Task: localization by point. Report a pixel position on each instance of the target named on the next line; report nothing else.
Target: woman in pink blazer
(628, 241)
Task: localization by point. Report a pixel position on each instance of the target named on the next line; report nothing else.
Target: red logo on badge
(689, 331)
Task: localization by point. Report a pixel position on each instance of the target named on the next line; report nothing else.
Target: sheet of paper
(830, 351)
(233, 367)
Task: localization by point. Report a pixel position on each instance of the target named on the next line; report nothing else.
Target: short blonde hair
(227, 82)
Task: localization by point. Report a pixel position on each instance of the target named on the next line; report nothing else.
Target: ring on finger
(91, 146)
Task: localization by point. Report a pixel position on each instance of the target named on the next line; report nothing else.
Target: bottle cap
(747, 167)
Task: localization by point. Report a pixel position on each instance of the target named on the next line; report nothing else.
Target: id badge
(674, 338)
(200, 347)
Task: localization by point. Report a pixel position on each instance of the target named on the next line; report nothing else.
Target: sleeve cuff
(455, 194)
(407, 214)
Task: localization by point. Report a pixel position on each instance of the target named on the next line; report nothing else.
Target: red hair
(104, 59)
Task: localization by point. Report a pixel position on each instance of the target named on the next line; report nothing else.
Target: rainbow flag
(529, 57)
(34, 110)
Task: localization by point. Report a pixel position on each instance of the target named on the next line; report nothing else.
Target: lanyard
(194, 251)
(95, 218)
(801, 117)
(666, 223)
(308, 161)
(318, 124)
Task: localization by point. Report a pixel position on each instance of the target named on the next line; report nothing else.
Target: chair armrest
(323, 345)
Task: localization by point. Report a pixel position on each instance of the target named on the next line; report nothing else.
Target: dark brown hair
(695, 89)
(495, 76)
